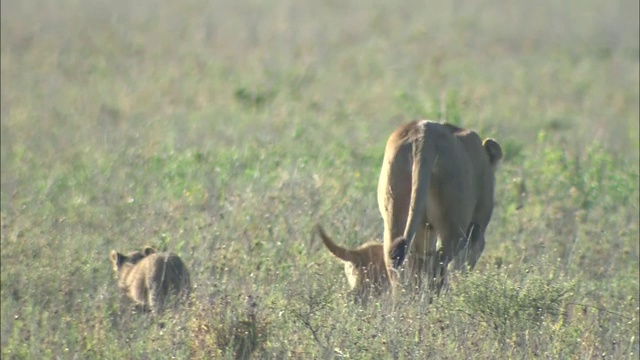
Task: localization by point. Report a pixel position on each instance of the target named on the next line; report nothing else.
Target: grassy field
(223, 131)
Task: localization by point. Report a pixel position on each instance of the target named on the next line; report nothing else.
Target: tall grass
(223, 131)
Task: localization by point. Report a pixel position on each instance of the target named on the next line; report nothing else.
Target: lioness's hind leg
(476, 245)
(469, 254)
(451, 242)
(420, 256)
(438, 270)
(416, 267)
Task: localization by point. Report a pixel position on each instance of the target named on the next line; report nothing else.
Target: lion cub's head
(364, 266)
(124, 263)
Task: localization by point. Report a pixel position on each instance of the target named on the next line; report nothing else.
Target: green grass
(223, 131)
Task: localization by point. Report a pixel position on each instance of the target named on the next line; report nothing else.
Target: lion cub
(364, 266)
(147, 276)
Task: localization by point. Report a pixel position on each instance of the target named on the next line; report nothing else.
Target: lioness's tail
(337, 250)
(424, 158)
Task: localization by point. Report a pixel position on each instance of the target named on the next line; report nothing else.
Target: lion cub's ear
(116, 258)
(493, 149)
(148, 250)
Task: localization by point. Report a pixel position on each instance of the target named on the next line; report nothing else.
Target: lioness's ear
(493, 149)
(148, 250)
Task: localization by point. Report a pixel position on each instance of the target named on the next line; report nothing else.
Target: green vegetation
(223, 131)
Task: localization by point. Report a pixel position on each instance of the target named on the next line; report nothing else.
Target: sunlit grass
(224, 131)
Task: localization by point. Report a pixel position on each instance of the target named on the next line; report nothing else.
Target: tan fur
(148, 277)
(436, 185)
(435, 194)
(364, 266)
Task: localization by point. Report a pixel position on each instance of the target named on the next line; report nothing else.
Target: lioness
(436, 185)
(364, 266)
(147, 277)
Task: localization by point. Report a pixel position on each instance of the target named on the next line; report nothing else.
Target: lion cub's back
(167, 271)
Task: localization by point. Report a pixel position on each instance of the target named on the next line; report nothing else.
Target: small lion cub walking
(147, 276)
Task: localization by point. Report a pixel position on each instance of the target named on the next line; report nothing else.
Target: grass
(223, 131)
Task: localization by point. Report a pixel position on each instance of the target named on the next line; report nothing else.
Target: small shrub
(218, 330)
(509, 305)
